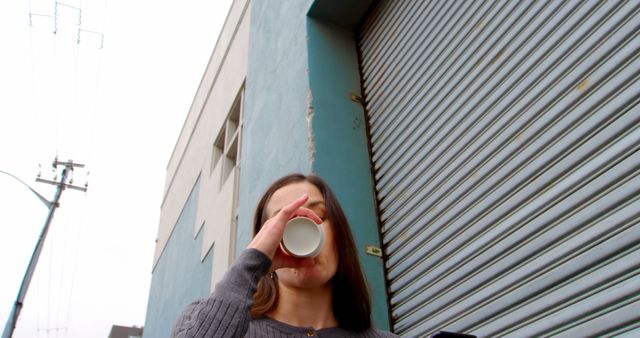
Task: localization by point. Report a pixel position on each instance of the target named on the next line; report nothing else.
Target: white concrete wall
(192, 155)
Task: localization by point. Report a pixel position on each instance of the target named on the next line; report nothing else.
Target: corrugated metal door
(505, 143)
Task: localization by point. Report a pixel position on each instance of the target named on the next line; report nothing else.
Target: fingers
(290, 209)
(304, 212)
(267, 240)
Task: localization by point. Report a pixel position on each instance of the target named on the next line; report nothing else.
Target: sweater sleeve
(226, 313)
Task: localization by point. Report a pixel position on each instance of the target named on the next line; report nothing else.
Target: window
(218, 150)
(231, 138)
(227, 144)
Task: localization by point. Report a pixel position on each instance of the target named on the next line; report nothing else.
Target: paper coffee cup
(302, 237)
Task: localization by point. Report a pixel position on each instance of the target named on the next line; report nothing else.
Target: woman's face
(326, 263)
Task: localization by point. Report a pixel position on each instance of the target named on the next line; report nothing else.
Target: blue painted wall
(179, 277)
(274, 136)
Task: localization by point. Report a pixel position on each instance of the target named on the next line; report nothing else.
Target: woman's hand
(270, 235)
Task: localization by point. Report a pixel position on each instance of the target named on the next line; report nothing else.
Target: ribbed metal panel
(505, 144)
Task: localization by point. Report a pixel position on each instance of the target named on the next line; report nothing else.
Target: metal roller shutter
(505, 142)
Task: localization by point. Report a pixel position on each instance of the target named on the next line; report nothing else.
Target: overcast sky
(118, 109)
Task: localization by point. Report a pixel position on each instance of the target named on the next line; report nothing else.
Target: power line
(55, 16)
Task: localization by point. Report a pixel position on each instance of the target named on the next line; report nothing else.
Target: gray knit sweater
(227, 312)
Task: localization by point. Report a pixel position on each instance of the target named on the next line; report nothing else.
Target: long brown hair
(351, 302)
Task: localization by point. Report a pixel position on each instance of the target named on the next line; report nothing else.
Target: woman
(267, 293)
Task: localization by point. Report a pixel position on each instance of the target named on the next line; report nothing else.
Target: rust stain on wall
(584, 85)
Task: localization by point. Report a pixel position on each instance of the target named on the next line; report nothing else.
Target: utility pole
(67, 171)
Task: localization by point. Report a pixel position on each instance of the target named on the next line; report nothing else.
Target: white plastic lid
(302, 237)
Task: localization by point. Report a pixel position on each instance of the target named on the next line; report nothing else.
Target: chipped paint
(310, 139)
